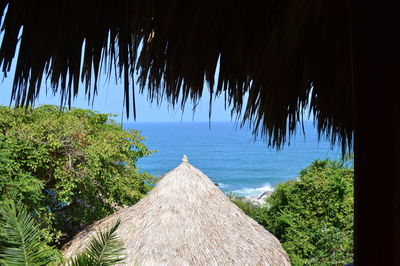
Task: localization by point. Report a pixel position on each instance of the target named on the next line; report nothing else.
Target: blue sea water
(229, 155)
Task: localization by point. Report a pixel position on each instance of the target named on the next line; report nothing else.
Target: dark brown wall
(377, 133)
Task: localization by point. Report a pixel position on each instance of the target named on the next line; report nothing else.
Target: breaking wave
(249, 192)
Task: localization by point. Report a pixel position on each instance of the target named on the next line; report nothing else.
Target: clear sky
(110, 100)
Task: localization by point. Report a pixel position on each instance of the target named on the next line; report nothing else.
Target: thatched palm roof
(187, 220)
(275, 51)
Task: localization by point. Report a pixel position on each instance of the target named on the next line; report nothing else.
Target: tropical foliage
(105, 249)
(21, 242)
(313, 216)
(69, 167)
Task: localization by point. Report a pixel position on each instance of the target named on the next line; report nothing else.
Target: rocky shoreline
(258, 200)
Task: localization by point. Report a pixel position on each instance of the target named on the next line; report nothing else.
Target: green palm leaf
(105, 249)
(21, 242)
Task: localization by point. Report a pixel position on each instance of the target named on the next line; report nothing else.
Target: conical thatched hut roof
(187, 220)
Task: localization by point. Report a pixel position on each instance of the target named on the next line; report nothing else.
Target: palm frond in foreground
(21, 242)
(104, 249)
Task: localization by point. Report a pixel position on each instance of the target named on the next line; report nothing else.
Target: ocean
(229, 155)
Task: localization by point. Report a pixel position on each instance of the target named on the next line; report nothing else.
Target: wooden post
(377, 132)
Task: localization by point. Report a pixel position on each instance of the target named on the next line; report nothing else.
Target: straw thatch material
(285, 55)
(187, 220)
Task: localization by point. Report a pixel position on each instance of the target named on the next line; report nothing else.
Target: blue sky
(110, 99)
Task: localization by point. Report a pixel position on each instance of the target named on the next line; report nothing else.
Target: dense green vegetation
(68, 167)
(313, 216)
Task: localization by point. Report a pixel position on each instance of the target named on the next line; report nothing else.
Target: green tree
(69, 167)
(312, 216)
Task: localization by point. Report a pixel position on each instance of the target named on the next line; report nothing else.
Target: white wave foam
(222, 185)
(248, 192)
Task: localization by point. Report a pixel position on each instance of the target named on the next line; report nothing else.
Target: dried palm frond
(287, 55)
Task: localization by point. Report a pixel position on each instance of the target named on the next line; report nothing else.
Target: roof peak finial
(185, 159)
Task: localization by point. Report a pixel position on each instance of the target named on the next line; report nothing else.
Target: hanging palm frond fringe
(285, 56)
